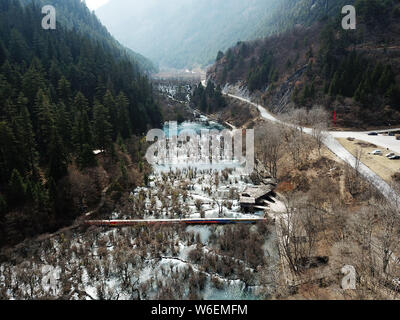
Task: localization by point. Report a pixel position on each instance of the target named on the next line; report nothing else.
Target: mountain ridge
(354, 72)
(188, 34)
(183, 33)
(86, 22)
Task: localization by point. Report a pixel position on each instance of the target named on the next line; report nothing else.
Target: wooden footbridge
(205, 221)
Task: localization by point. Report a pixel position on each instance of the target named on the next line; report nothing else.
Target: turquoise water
(195, 126)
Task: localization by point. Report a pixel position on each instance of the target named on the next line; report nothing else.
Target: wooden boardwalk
(205, 221)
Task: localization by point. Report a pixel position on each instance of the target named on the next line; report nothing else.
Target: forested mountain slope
(62, 95)
(181, 33)
(355, 72)
(290, 13)
(75, 16)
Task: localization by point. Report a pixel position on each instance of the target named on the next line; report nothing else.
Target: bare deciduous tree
(388, 236)
(270, 147)
(319, 133)
(358, 156)
(298, 232)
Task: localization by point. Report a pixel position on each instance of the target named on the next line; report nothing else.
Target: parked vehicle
(394, 158)
(373, 134)
(377, 152)
(390, 155)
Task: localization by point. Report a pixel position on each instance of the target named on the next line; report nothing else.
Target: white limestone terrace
(200, 188)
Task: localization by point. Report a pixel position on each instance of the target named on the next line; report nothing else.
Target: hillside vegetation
(290, 13)
(63, 95)
(354, 72)
(75, 16)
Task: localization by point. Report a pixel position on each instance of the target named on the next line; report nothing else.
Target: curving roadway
(332, 144)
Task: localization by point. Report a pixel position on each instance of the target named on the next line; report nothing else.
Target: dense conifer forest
(63, 94)
(208, 99)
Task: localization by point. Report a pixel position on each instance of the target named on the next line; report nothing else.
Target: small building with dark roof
(256, 197)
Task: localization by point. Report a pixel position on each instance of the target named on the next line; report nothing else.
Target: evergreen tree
(58, 158)
(82, 131)
(334, 87)
(32, 81)
(44, 123)
(19, 50)
(220, 55)
(86, 158)
(16, 188)
(386, 79)
(64, 91)
(101, 127)
(28, 140)
(64, 126)
(124, 175)
(123, 124)
(110, 105)
(9, 155)
(80, 103)
(3, 205)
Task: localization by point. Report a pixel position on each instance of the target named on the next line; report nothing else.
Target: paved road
(333, 145)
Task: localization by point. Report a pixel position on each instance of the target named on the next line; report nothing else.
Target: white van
(377, 152)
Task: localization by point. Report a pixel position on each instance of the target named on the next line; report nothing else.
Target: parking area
(383, 141)
(376, 161)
